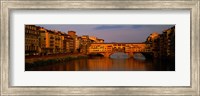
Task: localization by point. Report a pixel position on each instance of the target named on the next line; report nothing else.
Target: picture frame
(8, 6)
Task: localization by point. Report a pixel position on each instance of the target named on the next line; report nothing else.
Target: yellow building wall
(100, 48)
(95, 48)
(47, 39)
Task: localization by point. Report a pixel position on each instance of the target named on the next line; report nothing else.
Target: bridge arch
(96, 54)
(147, 55)
(139, 56)
(106, 49)
(108, 54)
(119, 55)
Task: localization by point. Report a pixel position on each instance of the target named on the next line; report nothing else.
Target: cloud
(104, 27)
(137, 26)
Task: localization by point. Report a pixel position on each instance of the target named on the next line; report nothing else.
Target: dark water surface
(108, 64)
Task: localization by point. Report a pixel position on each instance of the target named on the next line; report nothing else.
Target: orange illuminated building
(31, 40)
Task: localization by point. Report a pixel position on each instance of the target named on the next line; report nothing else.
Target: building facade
(31, 40)
(163, 45)
(119, 47)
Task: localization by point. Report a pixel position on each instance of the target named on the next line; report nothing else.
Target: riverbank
(34, 58)
(35, 61)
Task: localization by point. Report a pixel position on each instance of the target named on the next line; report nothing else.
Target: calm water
(108, 64)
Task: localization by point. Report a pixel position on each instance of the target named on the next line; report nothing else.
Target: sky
(111, 32)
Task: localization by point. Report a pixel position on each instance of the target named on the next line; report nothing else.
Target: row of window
(147, 50)
(27, 41)
(97, 50)
(31, 32)
(119, 44)
(136, 50)
(32, 36)
(30, 27)
(31, 47)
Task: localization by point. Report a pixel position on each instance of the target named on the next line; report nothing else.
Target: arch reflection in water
(119, 55)
(139, 56)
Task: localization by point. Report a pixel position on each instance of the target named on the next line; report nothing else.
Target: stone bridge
(107, 49)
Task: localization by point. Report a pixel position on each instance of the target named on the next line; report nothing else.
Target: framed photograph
(67, 47)
(96, 47)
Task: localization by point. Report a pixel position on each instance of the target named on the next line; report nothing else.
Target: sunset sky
(111, 33)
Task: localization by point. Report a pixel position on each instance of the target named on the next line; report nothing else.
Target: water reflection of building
(100, 64)
(107, 64)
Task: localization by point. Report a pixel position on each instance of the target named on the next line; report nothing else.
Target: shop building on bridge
(107, 49)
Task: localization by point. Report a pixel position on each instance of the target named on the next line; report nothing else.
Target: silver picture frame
(8, 5)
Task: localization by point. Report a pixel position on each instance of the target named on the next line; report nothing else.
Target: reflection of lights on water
(108, 64)
(105, 64)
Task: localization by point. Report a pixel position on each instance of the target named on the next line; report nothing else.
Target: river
(107, 64)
